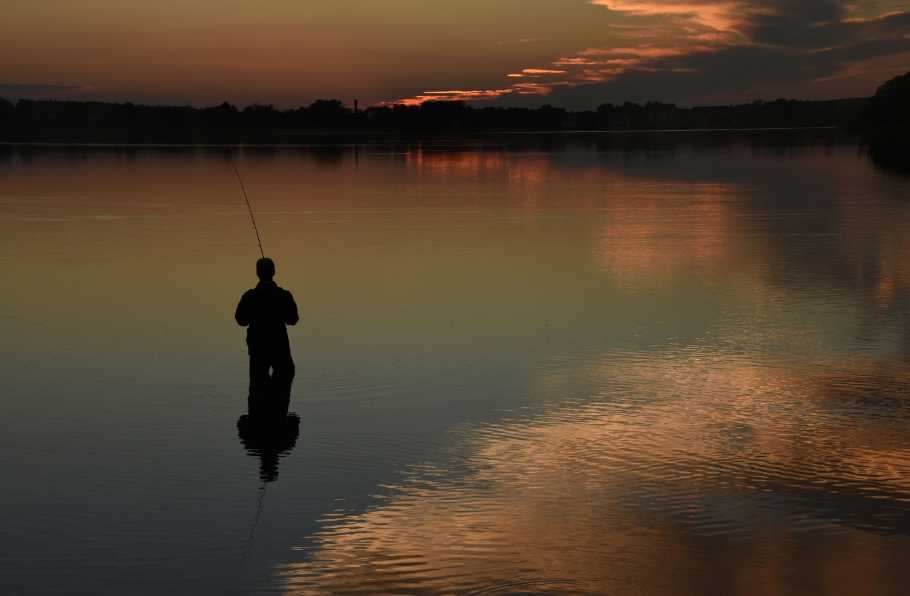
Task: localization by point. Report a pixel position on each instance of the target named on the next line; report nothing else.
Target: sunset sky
(570, 53)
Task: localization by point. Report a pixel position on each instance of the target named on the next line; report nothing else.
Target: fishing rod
(248, 206)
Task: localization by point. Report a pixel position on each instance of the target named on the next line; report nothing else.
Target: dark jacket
(266, 309)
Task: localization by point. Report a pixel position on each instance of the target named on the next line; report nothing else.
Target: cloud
(523, 40)
(720, 16)
(732, 49)
(723, 49)
(452, 95)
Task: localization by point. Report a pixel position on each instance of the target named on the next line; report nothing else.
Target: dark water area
(551, 364)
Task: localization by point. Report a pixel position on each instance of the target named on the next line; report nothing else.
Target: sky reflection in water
(527, 366)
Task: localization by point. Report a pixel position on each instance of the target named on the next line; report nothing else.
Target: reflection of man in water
(266, 309)
(268, 432)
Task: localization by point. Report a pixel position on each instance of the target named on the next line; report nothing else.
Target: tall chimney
(355, 106)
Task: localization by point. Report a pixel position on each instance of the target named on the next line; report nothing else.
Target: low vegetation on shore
(887, 112)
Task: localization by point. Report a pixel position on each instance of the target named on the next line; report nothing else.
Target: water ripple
(689, 458)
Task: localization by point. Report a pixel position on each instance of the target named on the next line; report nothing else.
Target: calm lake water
(541, 365)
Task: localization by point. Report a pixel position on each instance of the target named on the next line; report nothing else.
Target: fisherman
(266, 309)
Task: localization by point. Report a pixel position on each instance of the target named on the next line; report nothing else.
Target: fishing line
(248, 206)
(250, 543)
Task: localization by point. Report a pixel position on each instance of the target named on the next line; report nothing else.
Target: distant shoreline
(884, 117)
(218, 138)
(30, 120)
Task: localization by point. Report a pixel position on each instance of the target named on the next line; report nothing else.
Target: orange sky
(573, 53)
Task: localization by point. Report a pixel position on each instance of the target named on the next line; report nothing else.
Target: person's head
(265, 269)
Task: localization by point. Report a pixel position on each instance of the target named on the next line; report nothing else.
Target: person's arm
(242, 314)
(290, 310)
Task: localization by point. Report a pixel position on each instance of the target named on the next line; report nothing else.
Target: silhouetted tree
(223, 116)
(442, 115)
(261, 117)
(7, 112)
(889, 138)
(327, 114)
(890, 106)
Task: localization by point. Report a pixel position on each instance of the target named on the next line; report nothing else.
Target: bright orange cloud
(454, 95)
(720, 16)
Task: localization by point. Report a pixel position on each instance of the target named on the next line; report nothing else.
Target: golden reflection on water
(692, 475)
(664, 234)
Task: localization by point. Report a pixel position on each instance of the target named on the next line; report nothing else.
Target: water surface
(558, 365)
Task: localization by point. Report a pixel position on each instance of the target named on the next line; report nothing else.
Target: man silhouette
(266, 309)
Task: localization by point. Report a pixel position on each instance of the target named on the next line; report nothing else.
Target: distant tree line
(889, 110)
(332, 115)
